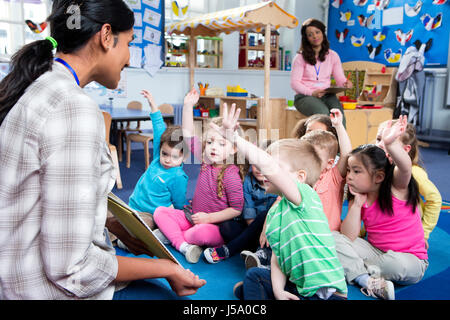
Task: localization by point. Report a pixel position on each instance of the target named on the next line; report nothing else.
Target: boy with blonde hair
(304, 263)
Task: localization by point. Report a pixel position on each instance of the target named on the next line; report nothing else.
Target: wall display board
(382, 30)
(147, 50)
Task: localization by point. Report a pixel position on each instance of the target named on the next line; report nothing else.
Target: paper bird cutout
(392, 57)
(358, 42)
(403, 37)
(413, 11)
(373, 51)
(380, 35)
(36, 28)
(431, 23)
(341, 35)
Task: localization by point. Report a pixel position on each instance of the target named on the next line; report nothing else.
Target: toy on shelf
(372, 93)
(203, 88)
(236, 91)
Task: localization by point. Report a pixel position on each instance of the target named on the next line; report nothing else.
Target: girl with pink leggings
(218, 196)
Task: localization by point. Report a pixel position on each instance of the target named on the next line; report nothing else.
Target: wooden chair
(145, 138)
(112, 148)
(125, 128)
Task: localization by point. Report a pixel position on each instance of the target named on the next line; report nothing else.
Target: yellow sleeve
(432, 204)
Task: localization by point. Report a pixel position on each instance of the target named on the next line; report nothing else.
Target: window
(14, 32)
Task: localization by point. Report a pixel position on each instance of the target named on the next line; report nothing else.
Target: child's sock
(183, 247)
(363, 280)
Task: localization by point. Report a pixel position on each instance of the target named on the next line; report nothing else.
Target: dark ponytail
(27, 64)
(36, 58)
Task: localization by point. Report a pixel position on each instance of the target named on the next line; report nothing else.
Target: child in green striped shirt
(304, 262)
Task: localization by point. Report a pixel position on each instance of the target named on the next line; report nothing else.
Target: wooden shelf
(373, 74)
(245, 48)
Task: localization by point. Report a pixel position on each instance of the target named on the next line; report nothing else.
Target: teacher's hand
(319, 93)
(348, 84)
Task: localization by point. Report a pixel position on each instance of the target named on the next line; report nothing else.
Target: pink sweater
(304, 75)
(205, 197)
(402, 232)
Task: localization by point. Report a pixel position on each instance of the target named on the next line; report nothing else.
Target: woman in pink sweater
(312, 69)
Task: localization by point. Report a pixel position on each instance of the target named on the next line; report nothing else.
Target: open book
(137, 228)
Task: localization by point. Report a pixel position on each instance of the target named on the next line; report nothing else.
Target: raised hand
(229, 122)
(392, 132)
(336, 117)
(191, 99)
(150, 100)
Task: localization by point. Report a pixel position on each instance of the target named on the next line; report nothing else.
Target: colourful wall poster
(148, 34)
(382, 30)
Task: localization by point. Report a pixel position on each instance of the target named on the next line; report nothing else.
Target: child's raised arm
(345, 145)
(150, 100)
(188, 117)
(394, 147)
(282, 179)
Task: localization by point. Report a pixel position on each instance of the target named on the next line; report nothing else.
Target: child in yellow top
(431, 207)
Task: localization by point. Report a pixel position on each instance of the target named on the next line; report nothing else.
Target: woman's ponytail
(27, 64)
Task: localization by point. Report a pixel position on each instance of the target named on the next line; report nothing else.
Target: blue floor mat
(221, 277)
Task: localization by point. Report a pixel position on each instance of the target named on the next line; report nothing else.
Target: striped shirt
(303, 244)
(205, 197)
(55, 174)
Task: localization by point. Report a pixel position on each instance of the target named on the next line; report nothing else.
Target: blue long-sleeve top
(159, 187)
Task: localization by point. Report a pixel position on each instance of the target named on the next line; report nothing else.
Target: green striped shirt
(303, 244)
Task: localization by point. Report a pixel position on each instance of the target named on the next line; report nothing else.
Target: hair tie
(53, 41)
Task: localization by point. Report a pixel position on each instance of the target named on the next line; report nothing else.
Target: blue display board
(382, 30)
(147, 49)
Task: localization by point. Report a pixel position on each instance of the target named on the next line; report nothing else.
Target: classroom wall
(169, 85)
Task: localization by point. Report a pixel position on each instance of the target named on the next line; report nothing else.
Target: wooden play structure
(265, 16)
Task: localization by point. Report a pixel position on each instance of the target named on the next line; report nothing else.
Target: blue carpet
(221, 277)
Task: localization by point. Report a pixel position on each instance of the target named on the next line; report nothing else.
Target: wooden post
(192, 60)
(267, 55)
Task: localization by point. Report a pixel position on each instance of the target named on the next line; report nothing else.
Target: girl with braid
(218, 199)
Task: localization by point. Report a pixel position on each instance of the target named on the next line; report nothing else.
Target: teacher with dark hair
(312, 69)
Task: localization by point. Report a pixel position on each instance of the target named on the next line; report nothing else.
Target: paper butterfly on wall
(381, 4)
(413, 11)
(179, 11)
(36, 28)
(337, 3)
(439, 2)
(358, 42)
(373, 51)
(360, 2)
(345, 16)
(403, 37)
(392, 57)
(380, 35)
(431, 23)
(366, 21)
(341, 35)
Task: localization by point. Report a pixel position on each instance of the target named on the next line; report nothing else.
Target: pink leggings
(178, 229)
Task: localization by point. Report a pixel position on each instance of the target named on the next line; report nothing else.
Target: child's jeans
(174, 225)
(258, 286)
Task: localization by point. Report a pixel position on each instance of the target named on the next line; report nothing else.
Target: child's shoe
(215, 255)
(193, 253)
(161, 237)
(258, 259)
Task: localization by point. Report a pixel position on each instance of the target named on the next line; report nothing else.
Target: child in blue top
(164, 183)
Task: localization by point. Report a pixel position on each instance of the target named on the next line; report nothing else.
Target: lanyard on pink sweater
(317, 71)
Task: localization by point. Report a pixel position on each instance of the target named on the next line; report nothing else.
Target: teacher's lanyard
(317, 71)
(68, 67)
